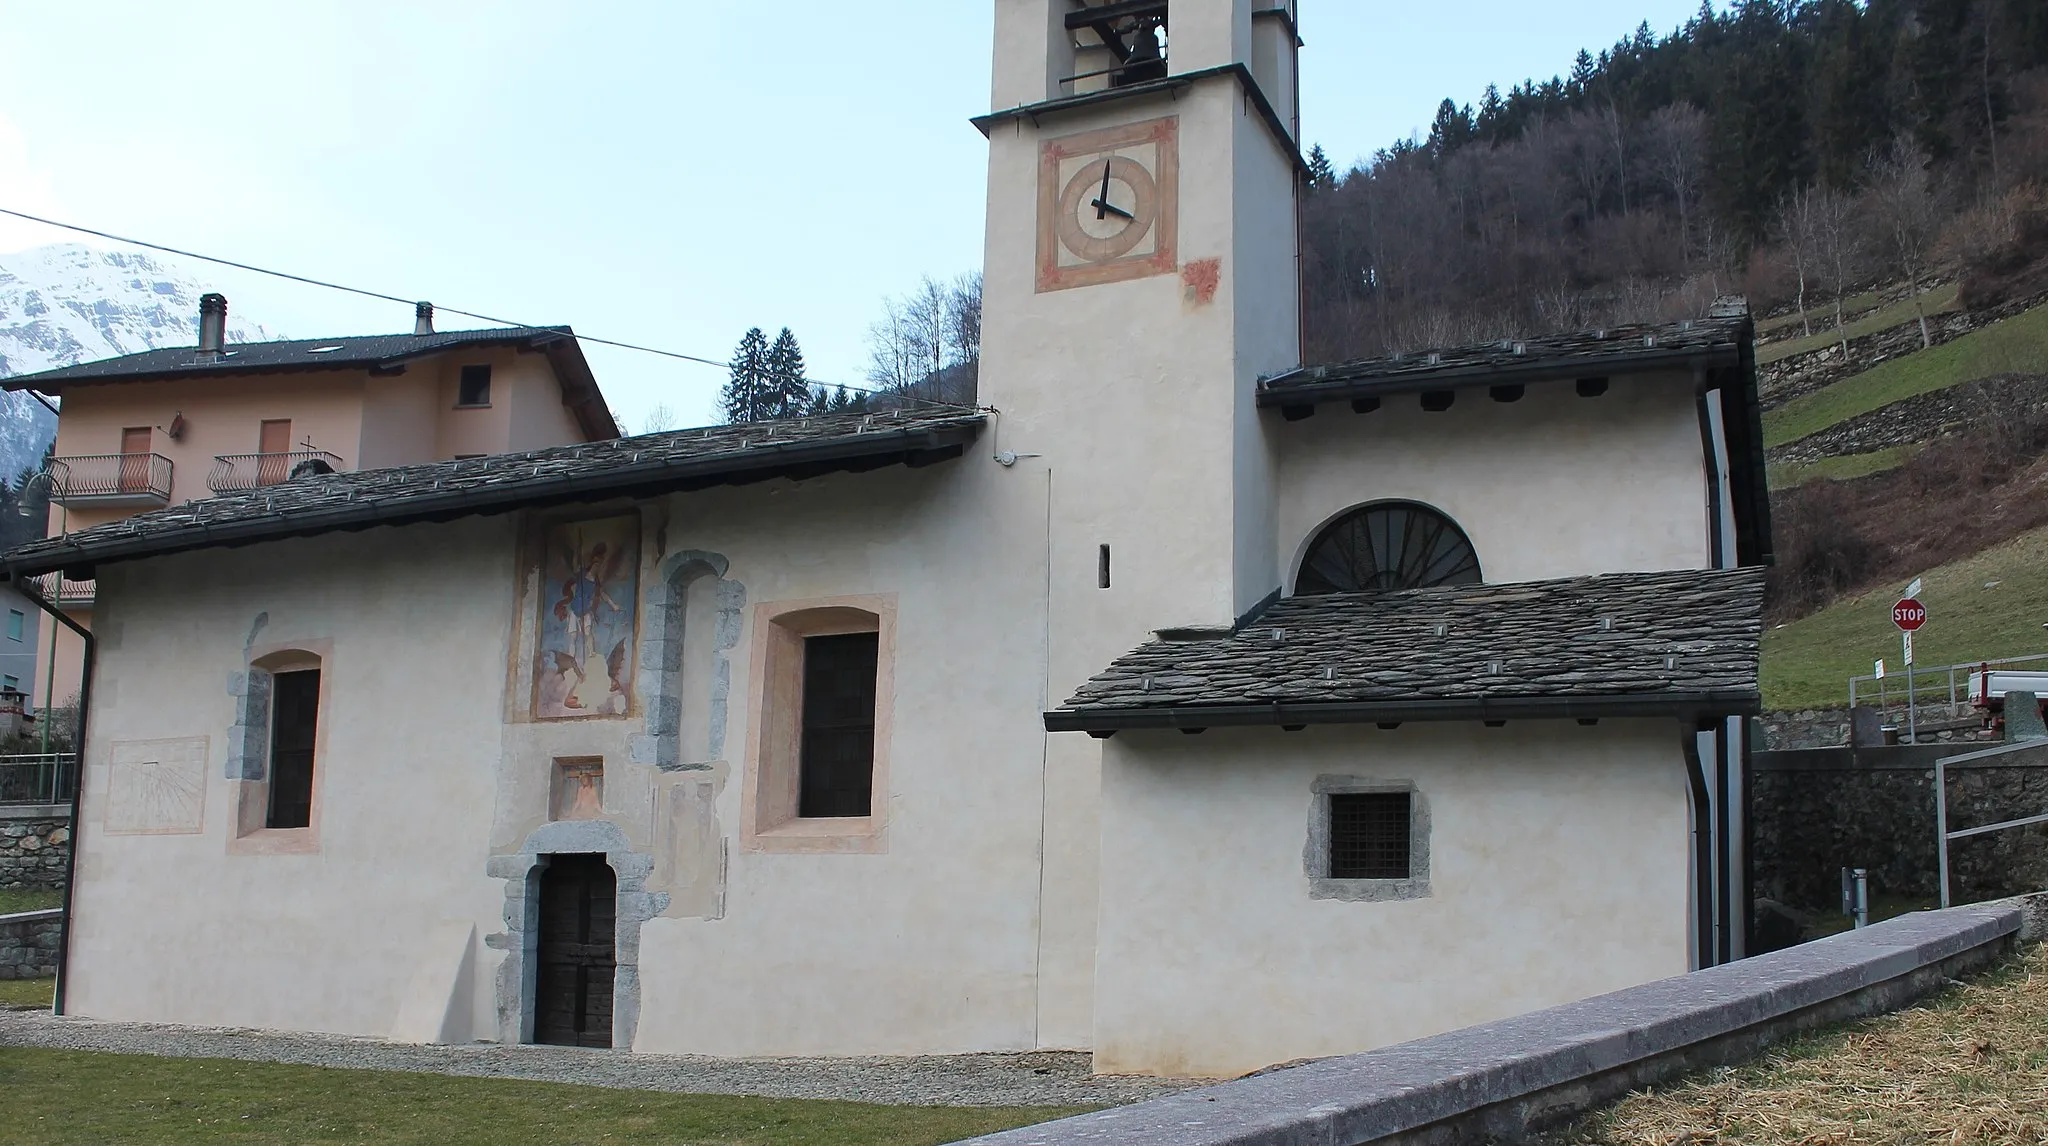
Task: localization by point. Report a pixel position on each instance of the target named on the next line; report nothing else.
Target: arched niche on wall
(1386, 546)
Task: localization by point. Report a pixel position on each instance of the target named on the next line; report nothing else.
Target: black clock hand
(1101, 203)
(1104, 205)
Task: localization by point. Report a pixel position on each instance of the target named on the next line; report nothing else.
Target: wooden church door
(577, 957)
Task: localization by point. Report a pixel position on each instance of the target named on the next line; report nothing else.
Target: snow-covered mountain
(65, 304)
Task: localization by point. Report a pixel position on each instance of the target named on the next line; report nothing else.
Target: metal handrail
(1896, 684)
(102, 476)
(45, 778)
(233, 472)
(1943, 836)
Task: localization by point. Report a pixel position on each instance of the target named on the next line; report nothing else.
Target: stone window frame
(1315, 856)
(769, 788)
(248, 763)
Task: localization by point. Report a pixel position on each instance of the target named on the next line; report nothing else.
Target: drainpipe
(23, 587)
(1702, 840)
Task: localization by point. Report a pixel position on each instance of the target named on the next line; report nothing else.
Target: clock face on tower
(1108, 204)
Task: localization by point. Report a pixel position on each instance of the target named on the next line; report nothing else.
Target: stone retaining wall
(35, 846)
(1815, 812)
(28, 944)
(1512, 1080)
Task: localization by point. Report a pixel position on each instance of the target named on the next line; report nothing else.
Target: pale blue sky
(659, 172)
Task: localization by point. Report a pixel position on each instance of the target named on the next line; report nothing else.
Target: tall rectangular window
(838, 747)
(474, 388)
(294, 720)
(1369, 835)
(15, 620)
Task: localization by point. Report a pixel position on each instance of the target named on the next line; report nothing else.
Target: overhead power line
(438, 308)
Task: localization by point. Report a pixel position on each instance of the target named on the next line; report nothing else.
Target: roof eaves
(1682, 705)
(1330, 384)
(755, 463)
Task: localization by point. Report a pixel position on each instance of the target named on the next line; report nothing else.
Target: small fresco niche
(576, 789)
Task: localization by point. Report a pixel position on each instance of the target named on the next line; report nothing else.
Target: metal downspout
(77, 782)
(1702, 848)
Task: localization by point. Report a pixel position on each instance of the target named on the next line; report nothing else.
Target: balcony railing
(70, 593)
(111, 479)
(43, 779)
(253, 471)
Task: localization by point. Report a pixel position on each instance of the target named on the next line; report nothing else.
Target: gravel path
(1044, 1078)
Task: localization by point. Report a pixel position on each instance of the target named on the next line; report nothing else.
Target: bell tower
(1140, 276)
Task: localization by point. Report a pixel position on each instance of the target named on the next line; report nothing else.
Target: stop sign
(1909, 614)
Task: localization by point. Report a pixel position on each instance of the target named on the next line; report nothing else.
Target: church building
(1185, 702)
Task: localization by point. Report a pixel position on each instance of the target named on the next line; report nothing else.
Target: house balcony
(234, 472)
(70, 592)
(133, 481)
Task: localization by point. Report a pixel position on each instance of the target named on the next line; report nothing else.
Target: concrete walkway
(1045, 1078)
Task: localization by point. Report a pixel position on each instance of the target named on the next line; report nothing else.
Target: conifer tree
(1321, 175)
(749, 378)
(786, 392)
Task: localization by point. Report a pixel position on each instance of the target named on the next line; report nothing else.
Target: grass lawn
(1809, 662)
(2018, 344)
(1940, 300)
(1785, 475)
(1820, 310)
(56, 1097)
(1967, 1066)
(37, 993)
(29, 899)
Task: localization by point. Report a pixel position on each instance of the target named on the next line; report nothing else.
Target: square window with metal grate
(1369, 835)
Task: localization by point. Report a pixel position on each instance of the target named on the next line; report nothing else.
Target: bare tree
(658, 419)
(1837, 245)
(1795, 228)
(1678, 136)
(1903, 200)
(927, 344)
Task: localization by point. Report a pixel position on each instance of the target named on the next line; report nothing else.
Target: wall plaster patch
(1315, 856)
(664, 630)
(521, 938)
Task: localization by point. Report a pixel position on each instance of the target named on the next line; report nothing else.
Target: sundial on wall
(156, 787)
(1109, 204)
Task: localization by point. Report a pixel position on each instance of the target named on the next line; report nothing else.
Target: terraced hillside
(1901, 461)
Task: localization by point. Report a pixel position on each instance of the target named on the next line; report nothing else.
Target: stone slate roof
(1678, 643)
(648, 465)
(378, 353)
(1717, 341)
(350, 353)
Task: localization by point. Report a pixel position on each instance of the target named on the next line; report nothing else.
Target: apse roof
(648, 465)
(1681, 643)
(1714, 342)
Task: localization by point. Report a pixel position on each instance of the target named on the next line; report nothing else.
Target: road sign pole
(1912, 711)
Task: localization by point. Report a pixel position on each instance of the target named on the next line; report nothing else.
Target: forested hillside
(1663, 171)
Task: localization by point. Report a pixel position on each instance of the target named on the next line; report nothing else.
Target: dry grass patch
(1969, 1066)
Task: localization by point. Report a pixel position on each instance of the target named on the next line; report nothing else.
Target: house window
(294, 717)
(838, 750)
(818, 748)
(474, 389)
(1369, 835)
(1387, 547)
(15, 620)
(11, 683)
(1368, 840)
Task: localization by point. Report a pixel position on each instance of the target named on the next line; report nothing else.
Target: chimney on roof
(213, 323)
(423, 318)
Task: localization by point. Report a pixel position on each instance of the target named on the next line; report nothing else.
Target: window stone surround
(664, 621)
(1315, 856)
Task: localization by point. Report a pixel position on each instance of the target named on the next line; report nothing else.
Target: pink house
(163, 427)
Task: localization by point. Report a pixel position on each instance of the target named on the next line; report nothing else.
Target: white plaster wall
(1558, 870)
(428, 770)
(1554, 485)
(932, 945)
(173, 928)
